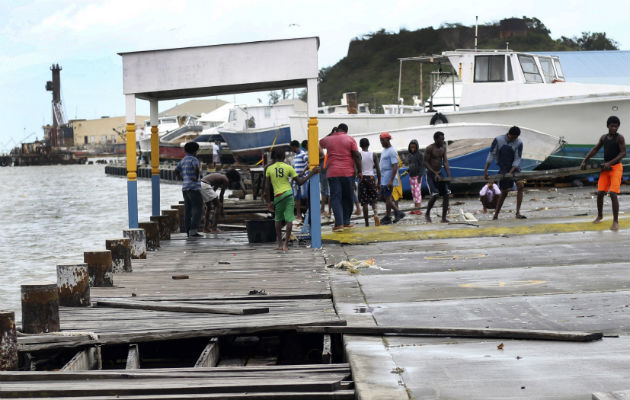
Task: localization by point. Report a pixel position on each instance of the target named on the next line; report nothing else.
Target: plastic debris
(354, 265)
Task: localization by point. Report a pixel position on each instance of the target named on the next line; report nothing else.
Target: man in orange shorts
(610, 178)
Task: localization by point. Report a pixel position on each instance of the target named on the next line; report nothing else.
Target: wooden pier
(212, 317)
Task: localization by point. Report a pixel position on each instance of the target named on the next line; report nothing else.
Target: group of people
(200, 192)
(343, 164)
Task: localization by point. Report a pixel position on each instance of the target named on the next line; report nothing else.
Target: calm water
(50, 215)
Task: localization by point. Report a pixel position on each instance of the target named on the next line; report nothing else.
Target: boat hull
(580, 124)
(248, 146)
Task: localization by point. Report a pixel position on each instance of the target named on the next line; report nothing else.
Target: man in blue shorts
(389, 178)
(507, 150)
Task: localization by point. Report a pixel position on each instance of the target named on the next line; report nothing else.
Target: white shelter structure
(168, 74)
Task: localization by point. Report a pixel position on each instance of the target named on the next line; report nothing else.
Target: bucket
(261, 230)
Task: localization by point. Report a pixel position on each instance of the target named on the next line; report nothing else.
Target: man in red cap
(344, 160)
(389, 178)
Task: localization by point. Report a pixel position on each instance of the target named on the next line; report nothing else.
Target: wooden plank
(259, 361)
(528, 175)
(231, 362)
(179, 307)
(84, 360)
(210, 355)
(327, 395)
(327, 349)
(456, 332)
(133, 357)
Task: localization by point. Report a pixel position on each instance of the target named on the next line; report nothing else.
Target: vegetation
(371, 66)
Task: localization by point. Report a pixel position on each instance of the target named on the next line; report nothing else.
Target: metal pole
(155, 159)
(132, 166)
(313, 161)
(399, 81)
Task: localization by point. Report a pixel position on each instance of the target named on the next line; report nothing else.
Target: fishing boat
(499, 87)
(172, 131)
(252, 130)
(468, 144)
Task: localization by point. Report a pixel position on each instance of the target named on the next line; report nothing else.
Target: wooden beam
(327, 350)
(180, 307)
(455, 332)
(528, 175)
(84, 360)
(133, 357)
(210, 355)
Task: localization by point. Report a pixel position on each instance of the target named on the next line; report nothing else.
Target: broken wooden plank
(180, 307)
(456, 332)
(526, 175)
(210, 355)
(327, 349)
(133, 357)
(84, 360)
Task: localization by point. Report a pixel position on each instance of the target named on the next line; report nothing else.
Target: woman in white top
(368, 186)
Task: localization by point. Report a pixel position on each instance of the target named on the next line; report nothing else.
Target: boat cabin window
(232, 116)
(530, 70)
(490, 68)
(559, 72)
(267, 112)
(362, 109)
(547, 69)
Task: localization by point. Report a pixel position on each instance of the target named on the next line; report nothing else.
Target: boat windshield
(547, 69)
(559, 72)
(530, 70)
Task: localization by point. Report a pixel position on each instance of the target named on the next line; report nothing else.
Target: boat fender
(438, 117)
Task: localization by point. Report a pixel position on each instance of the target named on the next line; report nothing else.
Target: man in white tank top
(368, 186)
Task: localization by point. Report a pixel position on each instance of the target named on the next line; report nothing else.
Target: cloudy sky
(85, 36)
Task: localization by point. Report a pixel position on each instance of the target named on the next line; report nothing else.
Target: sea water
(50, 215)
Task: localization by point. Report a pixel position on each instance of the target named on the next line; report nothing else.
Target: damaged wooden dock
(212, 317)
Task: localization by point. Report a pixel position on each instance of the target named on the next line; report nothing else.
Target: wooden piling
(73, 285)
(174, 218)
(8, 342)
(99, 267)
(164, 226)
(182, 222)
(152, 231)
(121, 254)
(138, 242)
(40, 308)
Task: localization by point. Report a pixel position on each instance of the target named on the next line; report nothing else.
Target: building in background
(103, 135)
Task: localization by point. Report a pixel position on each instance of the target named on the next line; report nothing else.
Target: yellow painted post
(313, 161)
(132, 176)
(155, 171)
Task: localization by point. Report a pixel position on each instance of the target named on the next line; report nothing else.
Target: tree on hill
(371, 66)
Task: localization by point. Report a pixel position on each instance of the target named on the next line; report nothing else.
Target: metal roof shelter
(168, 74)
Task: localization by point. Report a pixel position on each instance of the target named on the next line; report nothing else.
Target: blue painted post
(132, 164)
(155, 172)
(155, 159)
(313, 161)
(316, 221)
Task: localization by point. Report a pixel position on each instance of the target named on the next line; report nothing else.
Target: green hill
(371, 66)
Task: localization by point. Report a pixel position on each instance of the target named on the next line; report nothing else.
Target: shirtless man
(434, 159)
(614, 146)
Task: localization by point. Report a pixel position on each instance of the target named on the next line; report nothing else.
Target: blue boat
(252, 130)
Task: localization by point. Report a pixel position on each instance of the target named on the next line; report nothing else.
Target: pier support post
(121, 254)
(132, 165)
(313, 161)
(182, 222)
(73, 285)
(8, 342)
(155, 158)
(99, 267)
(40, 308)
(152, 231)
(164, 225)
(138, 242)
(173, 216)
